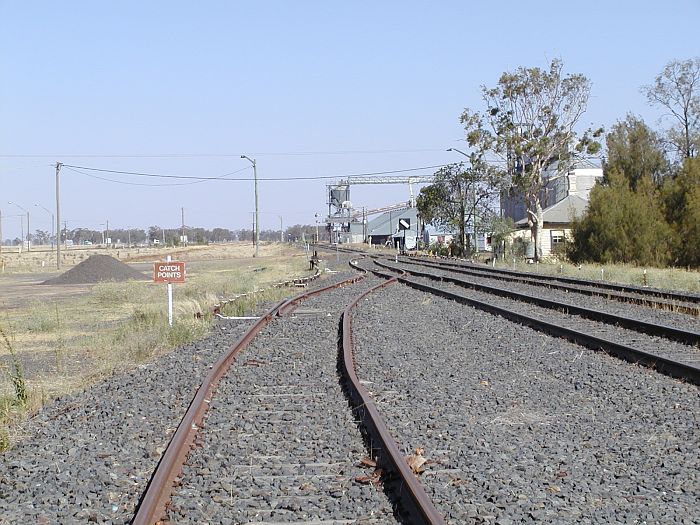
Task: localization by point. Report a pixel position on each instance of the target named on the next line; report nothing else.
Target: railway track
(666, 300)
(316, 418)
(635, 345)
(599, 311)
(685, 303)
(520, 427)
(279, 442)
(530, 291)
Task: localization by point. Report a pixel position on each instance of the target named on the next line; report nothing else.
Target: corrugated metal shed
(387, 223)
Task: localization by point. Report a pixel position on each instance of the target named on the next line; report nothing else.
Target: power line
(224, 177)
(128, 183)
(214, 155)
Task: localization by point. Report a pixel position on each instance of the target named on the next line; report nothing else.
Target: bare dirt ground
(20, 273)
(19, 290)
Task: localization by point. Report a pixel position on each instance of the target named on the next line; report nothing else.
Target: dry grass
(667, 278)
(70, 342)
(42, 259)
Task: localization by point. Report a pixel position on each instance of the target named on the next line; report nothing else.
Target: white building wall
(581, 181)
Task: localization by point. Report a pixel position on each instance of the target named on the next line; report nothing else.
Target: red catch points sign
(169, 272)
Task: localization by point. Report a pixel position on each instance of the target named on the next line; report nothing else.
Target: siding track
(669, 358)
(685, 303)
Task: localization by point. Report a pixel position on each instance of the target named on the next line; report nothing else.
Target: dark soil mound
(96, 269)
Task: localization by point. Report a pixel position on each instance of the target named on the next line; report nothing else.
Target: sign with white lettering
(169, 272)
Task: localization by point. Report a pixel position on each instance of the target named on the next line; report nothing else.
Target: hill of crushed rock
(97, 269)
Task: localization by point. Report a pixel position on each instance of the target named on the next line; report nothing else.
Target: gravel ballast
(87, 457)
(280, 443)
(644, 313)
(519, 427)
(655, 345)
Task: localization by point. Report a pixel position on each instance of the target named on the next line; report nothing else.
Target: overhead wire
(225, 176)
(222, 155)
(129, 183)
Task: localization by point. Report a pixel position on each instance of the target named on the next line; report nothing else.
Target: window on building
(558, 238)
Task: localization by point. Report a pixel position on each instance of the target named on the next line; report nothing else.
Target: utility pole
(58, 216)
(0, 232)
(183, 226)
(107, 234)
(316, 215)
(364, 224)
(257, 221)
(281, 230)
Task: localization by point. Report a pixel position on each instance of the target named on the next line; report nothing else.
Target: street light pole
(257, 222)
(28, 227)
(473, 201)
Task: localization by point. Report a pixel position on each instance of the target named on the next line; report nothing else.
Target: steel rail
(662, 365)
(666, 294)
(488, 273)
(687, 337)
(414, 500)
(152, 505)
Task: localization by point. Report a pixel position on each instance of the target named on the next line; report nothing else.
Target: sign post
(169, 272)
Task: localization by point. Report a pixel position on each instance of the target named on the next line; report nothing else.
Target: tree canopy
(635, 151)
(528, 122)
(622, 224)
(677, 89)
(460, 195)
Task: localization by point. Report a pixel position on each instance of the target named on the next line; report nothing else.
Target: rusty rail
(663, 365)
(414, 500)
(153, 502)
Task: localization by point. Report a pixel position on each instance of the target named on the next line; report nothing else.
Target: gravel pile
(97, 269)
(280, 443)
(519, 427)
(89, 456)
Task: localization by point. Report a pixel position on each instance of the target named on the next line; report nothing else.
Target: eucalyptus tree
(677, 89)
(461, 194)
(529, 121)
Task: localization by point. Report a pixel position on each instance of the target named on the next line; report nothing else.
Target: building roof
(387, 223)
(439, 230)
(562, 212)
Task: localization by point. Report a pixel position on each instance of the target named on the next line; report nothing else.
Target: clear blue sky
(360, 86)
